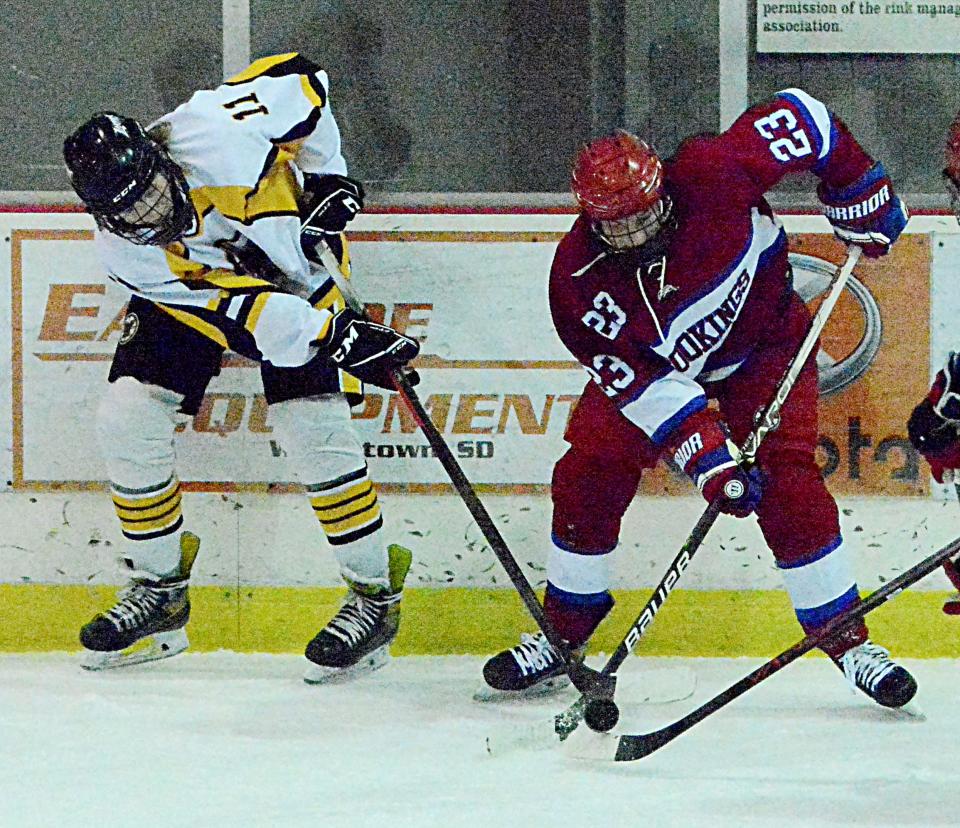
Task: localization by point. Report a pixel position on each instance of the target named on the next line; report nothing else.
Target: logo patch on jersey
(131, 324)
(659, 271)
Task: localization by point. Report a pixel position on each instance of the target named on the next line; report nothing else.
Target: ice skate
(532, 668)
(357, 639)
(869, 668)
(148, 621)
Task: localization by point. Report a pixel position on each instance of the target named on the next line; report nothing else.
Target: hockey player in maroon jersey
(673, 288)
(934, 425)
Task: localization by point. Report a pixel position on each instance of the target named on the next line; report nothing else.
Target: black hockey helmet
(127, 180)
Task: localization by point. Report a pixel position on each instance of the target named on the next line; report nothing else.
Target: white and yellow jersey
(243, 148)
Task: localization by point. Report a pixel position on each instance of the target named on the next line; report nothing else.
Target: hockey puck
(601, 715)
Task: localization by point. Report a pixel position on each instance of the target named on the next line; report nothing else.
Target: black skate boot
(869, 668)
(357, 639)
(532, 668)
(150, 610)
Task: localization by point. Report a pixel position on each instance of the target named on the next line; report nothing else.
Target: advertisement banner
(496, 379)
(873, 365)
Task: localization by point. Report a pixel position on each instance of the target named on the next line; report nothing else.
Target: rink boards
(500, 386)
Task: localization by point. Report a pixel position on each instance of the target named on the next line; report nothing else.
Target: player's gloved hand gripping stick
(584, 679)
(597, 707)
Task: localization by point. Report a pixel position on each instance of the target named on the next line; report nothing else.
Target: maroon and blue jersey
(654, 324)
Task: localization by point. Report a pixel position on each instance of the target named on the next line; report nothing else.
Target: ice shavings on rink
(238, 740)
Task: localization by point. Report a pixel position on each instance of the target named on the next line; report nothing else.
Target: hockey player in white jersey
(211, 217)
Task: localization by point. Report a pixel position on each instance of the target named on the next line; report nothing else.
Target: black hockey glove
(934, 425)
(331, 201)
(367, 350)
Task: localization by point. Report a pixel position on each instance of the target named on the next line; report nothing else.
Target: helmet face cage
(160, 214)
(636, 230)
(127, 181)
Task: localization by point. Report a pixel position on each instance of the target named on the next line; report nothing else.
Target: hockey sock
(821, 586)
(577, 596)
(135, 428)
(349, 514)
(150, 517)
(328, 460)
(575, 617)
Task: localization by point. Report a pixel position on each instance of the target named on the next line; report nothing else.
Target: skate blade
(374, 660)
(909, 712)
(152, 648)
(485, 693)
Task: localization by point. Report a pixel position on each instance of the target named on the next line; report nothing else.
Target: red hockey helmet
(617, 176)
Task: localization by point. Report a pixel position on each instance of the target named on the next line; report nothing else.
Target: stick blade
(646, 685)
(631, 747)
(588, 745)
(609, 747)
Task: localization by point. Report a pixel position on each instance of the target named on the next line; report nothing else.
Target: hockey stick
(766, 421)
(631, 747)
(584, 678)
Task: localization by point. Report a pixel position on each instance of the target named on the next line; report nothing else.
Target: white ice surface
(238, 740)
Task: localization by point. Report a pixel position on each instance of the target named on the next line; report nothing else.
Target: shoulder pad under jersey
(228, 136)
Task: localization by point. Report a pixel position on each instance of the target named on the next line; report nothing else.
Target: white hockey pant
(135, 428)
(327, 458)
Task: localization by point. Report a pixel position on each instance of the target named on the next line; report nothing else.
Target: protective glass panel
(897, 106)
(64, 61)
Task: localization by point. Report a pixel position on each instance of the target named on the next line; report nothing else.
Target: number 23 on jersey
(783, 148)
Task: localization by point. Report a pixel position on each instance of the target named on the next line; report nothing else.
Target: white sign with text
(859, 26)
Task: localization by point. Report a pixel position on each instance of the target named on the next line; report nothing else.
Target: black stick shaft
(476, 508)
(583, 677)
